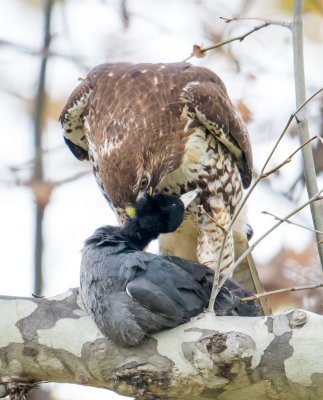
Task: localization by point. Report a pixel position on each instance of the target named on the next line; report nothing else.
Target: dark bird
(130, 293)
(164, 128)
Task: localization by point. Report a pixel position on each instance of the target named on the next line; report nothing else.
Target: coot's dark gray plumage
(130, 293)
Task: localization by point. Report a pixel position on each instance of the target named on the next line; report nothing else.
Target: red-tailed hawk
(164, 128)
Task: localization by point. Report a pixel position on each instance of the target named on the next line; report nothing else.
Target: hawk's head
(127, 177)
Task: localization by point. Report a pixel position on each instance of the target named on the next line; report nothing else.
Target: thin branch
(261, 175)
(288, 124)
(225, 235)
(33, 52)
(269, 21)
(202, 211)
(237, 38)
(231, 269)
(71, 178)
(292, 289)
(302, 126)
(292, 223)
(31, 163)
(52, 184)
(289, 159)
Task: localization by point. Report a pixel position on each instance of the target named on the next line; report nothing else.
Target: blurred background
(50, 201)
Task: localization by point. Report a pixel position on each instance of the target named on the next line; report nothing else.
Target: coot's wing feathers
(159, 268)
(165, 288)
(228, 300)
(153, 297)
(130, 265)
(198, 271)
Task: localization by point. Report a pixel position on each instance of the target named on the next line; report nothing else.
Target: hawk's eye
(144, 182)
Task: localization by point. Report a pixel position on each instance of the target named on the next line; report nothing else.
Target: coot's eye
(144, 182)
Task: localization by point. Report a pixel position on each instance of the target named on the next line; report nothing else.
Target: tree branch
(293, 223)
(285, 290)
(200, 52)
(34, 52)
(302, 126)
(53, 340)
(268, 21)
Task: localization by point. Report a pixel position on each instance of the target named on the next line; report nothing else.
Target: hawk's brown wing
(208, 101)
(71, 119)
(201, 89)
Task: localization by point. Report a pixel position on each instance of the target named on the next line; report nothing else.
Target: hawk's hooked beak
(131, 211)
(188, 197)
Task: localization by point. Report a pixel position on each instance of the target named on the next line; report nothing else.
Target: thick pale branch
(52, 339)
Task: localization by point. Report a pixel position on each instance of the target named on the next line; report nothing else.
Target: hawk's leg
(210, 236)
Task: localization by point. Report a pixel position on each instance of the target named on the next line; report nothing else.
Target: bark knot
(143, 379)
(217, 343)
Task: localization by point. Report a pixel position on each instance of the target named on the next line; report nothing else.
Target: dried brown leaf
(244, 111)
(198, 51)
(251, 76)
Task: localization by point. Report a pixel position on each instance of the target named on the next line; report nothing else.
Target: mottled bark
(273, 357)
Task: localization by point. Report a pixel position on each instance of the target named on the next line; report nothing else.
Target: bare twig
(269, 21)
(52, 184)
(71, 178)
(237, 38)
(202, 211)
(41, 52)
(217, 286)
(289, 159)
(293, 223)
(292, 289)
(262, 172)
(302, 126)
(288, 124)
(31, 163)
(225, 235)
